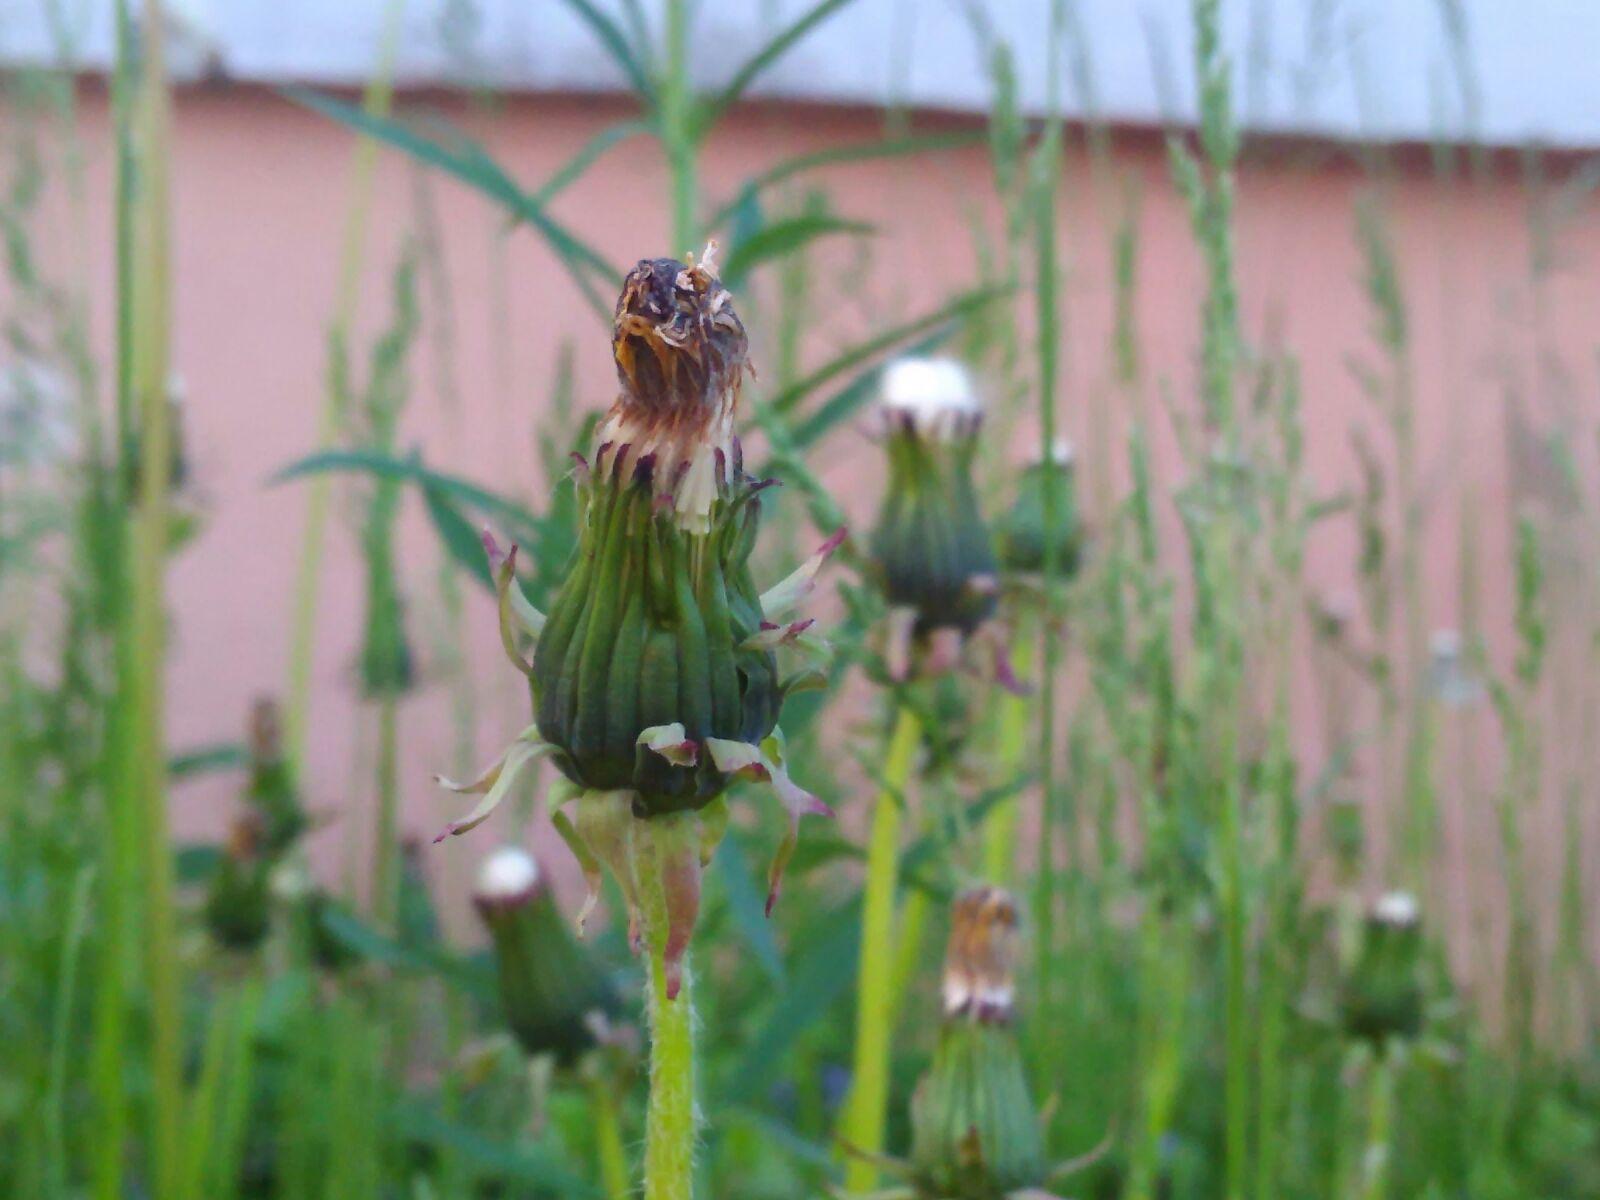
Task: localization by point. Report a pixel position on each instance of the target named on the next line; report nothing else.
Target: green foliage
(1188, 1000)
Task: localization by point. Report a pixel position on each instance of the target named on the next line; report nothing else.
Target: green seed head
(930, 548)
(1382, 994)
(975, 1133)
(556, 998)
(1022, 533)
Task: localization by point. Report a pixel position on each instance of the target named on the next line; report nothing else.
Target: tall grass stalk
(1047, 164)
(864, 1117)
(679, 137)
(119, 874)
(1217, 542)
(149, 299)
(302, 637)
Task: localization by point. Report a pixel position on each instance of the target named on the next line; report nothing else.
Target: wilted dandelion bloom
(657, 675)
(975, 1133)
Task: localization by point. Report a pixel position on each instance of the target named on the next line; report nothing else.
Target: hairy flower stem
(875, 993)
(1380, 1113)
(670, 1120)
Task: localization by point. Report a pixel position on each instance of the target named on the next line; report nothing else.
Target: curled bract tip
(786, 595)
(672, 743)
(494, 782)
(765, 763)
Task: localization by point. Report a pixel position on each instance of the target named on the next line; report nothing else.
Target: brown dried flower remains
(980, 960)
(680, 349)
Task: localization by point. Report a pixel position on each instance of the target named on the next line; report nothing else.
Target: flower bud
(238, 902)
(930, 548)
(271, 791)
(1382, 993)
(1021, 533)
(974, 1131)
(554, 995)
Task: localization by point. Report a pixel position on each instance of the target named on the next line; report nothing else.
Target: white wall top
(1501, 71)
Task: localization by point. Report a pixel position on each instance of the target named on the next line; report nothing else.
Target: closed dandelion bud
(270, 791)
(930, 548)
(975, 1133)
(556, 998)
(1025, 539)
(238, 902)
(656, 674)
(1382, 994)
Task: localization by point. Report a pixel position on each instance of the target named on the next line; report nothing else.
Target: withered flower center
(679, 346)
(979, 965)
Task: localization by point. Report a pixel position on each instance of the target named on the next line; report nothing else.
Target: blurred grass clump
(1210, 1003)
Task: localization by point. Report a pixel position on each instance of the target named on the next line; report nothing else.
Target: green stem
(386, 847)
(608, 1140)
(678, 136)
(119, 873)
(1049, 331)
(1011, 742)
(1380, 1116)
(150, 329)
(670, 1119)
(869, 1094)
(302, 637)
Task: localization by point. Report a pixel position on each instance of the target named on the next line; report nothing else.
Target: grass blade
(469, 163)
(837, 155)
(780, 45)
(615, 41)
(783, 237)
(961, 306)
(590, 153)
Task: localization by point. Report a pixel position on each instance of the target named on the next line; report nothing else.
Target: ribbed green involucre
(650, 628)
(930, 544)
(975, 1135)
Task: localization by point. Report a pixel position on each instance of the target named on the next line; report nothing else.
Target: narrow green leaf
(780, 45)
(525, 1163)
(520, 522)
(747, 904)
(194, 864)
(780, 238)
(224, 756)
(616, 44)
(864, 352)
(850, 399)
(820, 978)
(836, 155)
(586, 157)
(467, 161)
(460, 539)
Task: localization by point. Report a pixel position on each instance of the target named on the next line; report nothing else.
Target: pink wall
(260, 195)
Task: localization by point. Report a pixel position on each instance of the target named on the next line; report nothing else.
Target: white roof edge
(1358, 70)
